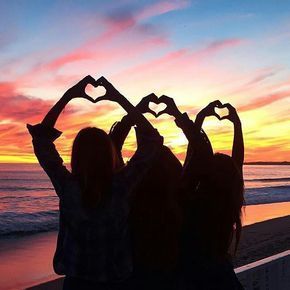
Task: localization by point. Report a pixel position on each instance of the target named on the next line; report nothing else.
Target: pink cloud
(264, 101)
(177, 66)
(23, 109)
(117, 24)
(160, 8)
(219, 45)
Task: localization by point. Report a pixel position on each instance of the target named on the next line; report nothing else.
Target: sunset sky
(193, 51)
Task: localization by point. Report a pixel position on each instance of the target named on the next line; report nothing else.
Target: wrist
(67, 96)
(237, 123)
(177, 114)
(121, 100)
(127, 120)
(200, 117)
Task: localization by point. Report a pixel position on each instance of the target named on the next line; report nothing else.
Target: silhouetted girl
(212, 198)
(155, 215)
(93, 247)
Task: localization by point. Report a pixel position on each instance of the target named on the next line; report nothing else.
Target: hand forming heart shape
(222, 111)
(95, 91)
(168, 105)
(99, 90)
(157, 107)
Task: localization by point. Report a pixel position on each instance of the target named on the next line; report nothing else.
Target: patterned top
(93, 244)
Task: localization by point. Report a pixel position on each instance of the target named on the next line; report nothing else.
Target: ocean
(28, 203)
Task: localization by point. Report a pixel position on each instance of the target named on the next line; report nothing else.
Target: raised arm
(77, 91)
(135, 115)
(120, 130)
(149, 142)
(44, 134)
(199, 151)
(206, 112)
(238, 143)
(191, 130)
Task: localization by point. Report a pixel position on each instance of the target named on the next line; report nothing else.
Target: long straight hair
(155, 216)
(93, 162)
(216, 200)
(224, 190)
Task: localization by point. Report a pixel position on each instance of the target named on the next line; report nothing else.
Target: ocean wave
(12, 223)
(272, 194)
(23, 179)
(280, 179)
(24, 188)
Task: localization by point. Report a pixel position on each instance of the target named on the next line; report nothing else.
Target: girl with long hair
(211, 194)
(155, 218)
(94, 246)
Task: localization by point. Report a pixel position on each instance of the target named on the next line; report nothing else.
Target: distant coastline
(267, 163)
(245, 163)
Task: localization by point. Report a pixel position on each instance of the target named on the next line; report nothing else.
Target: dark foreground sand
(258, 241)
(51, 285)
(263, 239)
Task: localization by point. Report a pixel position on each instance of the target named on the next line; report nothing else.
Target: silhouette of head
(223, 189)
(155, 216)
(93, 162)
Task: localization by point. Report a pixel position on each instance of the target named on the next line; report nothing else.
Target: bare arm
(199, 149)
(238, 143)
(189, 128)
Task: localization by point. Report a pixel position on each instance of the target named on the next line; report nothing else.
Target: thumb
(217, 116)
(152, 112)
(162, 112)
(224, 118)
(102, 98)
(85, 96)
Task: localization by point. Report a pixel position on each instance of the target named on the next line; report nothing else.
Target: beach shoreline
(27, 261)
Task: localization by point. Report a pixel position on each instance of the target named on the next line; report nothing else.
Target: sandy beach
(263, 239)
(27, 261)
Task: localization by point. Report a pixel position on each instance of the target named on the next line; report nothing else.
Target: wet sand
(26, 260)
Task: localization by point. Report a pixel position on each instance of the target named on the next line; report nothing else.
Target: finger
(102, 98)
(88, 80)
(162, 112)
(229, 106)
(217, 115)
(165, 99)
(101, 81)
(231, 109)
(85, 96)
(151, 112)
(151, 98)
(216, 103)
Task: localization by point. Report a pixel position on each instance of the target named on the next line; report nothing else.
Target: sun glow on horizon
(165, 47)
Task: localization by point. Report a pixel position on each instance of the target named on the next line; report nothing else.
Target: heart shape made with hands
(154, 106)
(222, 111)
(157, 107)
(95, 91)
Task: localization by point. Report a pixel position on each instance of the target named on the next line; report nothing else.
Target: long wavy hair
(155, 217)
(93, 162)
(221, 198)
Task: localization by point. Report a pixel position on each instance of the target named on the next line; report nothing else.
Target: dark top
(93, 244)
